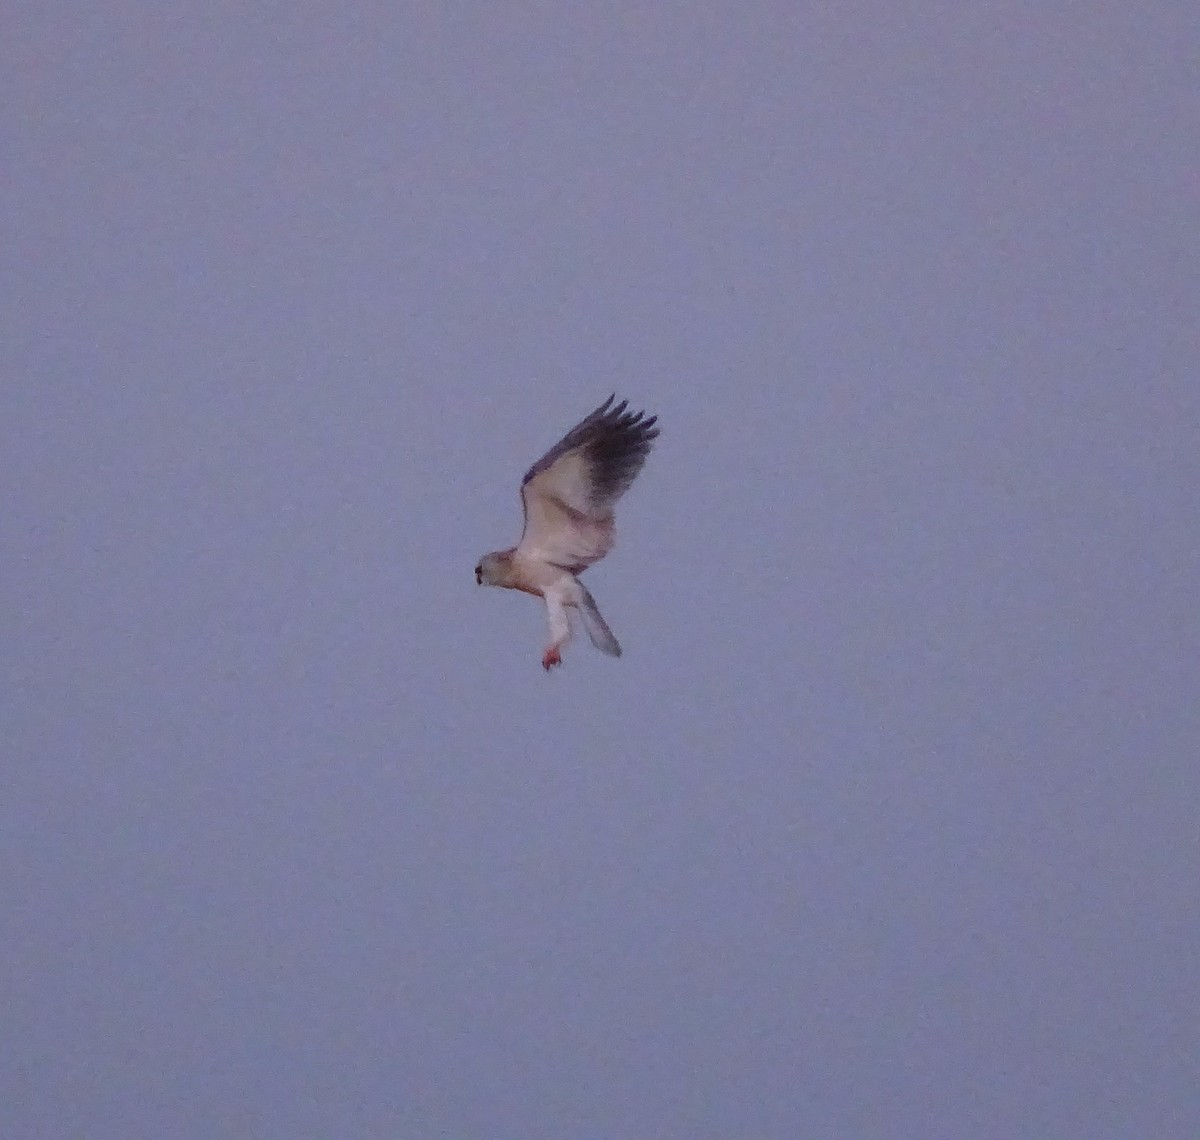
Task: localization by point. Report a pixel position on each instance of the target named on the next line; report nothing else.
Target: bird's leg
(560, 629)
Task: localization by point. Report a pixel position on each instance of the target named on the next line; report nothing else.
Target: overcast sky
(886, 825)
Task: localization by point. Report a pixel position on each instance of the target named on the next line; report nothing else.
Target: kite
(568, 497)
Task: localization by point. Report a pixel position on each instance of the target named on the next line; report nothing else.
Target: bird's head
(493, 569)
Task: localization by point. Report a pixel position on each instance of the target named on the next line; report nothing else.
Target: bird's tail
(597, 628)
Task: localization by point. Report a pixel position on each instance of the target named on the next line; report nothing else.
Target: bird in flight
(568, 497)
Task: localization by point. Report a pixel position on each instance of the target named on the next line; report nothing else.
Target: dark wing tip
(617, 440)
(617, 446)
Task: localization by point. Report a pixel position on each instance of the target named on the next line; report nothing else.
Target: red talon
(551, 658)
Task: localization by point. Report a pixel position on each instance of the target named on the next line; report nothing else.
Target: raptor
(568, 496)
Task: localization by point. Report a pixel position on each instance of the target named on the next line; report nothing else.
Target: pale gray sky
(886, 824)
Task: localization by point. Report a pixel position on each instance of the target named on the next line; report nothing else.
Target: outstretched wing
(569, 493)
